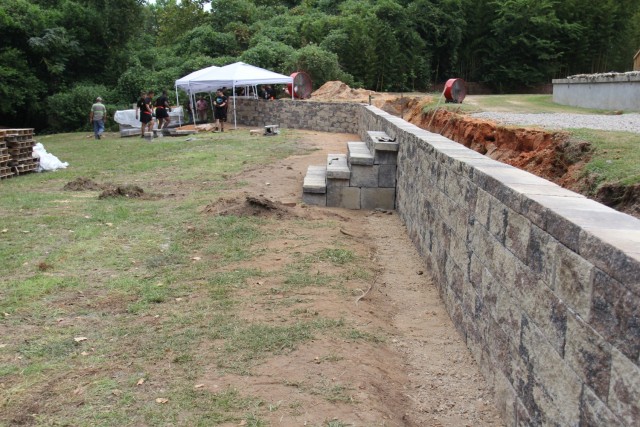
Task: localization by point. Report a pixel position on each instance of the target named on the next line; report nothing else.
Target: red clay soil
(554, 156)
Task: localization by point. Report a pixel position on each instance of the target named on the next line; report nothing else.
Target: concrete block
(595, 412)
(624, 390)
(316, 199)
(382, 142)
(337, 166)
(387, 176)
(572, 280)
(382, 198)
(614, 314)
(385, 157)
(315, 181)
(344, 197)
(359, 153)
(589, 355)
(517, 235)
(548, 387)
(541, 251)
(364, 176)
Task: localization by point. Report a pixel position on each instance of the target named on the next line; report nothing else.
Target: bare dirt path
(422, 375)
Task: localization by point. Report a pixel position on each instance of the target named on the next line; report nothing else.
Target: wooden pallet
(5, 172)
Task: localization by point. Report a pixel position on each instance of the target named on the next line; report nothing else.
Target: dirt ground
(422, 376)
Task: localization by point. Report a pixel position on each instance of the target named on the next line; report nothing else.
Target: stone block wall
(542, 283)
(296, 114)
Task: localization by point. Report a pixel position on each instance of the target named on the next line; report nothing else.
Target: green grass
(156, 285)
(616, 157)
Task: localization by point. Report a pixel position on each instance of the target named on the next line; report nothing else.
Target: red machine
(455, 90)
(302, 85)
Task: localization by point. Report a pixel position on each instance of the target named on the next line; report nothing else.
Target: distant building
(636, 61)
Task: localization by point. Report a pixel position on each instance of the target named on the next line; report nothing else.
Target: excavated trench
(555, 156)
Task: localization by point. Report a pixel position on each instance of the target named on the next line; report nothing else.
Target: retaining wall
(611, 91)
(542, 283)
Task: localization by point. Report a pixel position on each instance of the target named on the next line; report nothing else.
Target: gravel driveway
(623, 122)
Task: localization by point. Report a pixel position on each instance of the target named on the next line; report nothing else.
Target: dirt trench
(555, 156)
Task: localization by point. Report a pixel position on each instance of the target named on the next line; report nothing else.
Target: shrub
(69, 111)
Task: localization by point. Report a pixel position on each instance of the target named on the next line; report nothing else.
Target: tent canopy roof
(237, 74)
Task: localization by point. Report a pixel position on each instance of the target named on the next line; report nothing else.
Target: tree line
(56, 56)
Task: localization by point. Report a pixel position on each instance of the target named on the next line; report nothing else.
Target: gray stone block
(614, 314)
(624, 390)
(387, 176)
(364, 176)
(382, 198)
(344, 197)
(337, 166)
(359, 153)
(589, 355)
(316, 199)
(572, 281)
(315, 181)
(385, 158)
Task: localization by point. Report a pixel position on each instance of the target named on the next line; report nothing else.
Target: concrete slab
(381, 141)
(315, 199)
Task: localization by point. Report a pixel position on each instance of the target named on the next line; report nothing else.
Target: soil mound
(251, 206)
(132, 191)
(83, 184)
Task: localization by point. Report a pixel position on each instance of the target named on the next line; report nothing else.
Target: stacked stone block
(361, 179)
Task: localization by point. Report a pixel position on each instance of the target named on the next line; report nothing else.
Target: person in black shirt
(220, 109)
(162, 110)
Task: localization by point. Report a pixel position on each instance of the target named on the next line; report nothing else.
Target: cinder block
(364, 176)
(382, 198)
(387, 176)
(344, 197)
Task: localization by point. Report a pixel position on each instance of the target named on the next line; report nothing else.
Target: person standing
(146, 113)
(220, 109)
(202, 106)
(162, 110)
(98, 117)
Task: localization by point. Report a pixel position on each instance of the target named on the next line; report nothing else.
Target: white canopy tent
(232, 75)
(185, 84)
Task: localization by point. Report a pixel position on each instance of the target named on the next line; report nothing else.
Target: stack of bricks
(20, 144)
(5, 170)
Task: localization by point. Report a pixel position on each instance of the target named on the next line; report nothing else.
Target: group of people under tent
(147, 109)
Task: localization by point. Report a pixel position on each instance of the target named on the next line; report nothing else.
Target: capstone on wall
(542, 283)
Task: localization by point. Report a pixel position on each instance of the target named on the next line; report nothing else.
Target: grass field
(111, 309)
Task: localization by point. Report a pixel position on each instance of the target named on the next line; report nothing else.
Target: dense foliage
(54, 51)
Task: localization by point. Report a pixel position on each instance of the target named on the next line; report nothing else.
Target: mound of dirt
(251, 206)
(83, 184)
(128, 190)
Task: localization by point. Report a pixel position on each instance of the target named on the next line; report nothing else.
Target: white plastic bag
(48, 162)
